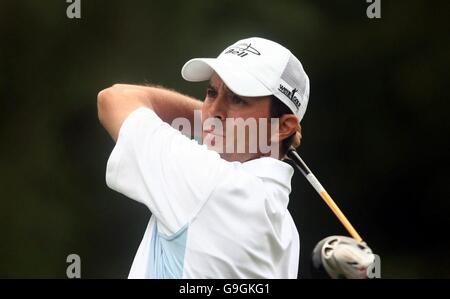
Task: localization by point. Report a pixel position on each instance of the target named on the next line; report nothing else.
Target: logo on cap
(242, 50)
(290, 94)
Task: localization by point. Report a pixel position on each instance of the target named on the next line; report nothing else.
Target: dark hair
(277, 109)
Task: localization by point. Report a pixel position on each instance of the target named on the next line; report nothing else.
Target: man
(216, 213)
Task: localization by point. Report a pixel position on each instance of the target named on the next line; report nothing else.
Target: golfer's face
(221, 104)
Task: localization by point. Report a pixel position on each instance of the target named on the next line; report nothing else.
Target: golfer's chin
(217, 143)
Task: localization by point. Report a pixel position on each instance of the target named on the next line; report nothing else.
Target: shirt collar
(270, 168)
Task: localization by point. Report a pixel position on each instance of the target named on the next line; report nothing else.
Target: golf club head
(342, 257)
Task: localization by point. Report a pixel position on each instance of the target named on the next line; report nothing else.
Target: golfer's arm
(115, 103)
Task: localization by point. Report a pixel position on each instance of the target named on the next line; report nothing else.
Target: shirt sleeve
(156, 165)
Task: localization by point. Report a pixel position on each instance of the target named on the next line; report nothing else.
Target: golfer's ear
(288, 125)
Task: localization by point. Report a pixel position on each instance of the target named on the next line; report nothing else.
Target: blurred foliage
(375, 133)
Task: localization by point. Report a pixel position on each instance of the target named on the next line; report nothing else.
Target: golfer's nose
(219, 108)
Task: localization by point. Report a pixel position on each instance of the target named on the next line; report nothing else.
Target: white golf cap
(255, 67)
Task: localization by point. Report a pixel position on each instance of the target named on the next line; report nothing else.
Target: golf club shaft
(292, 153)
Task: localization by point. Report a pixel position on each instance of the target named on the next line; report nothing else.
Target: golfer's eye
(211, 92)
(238, 100)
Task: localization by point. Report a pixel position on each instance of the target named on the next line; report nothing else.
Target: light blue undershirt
(166, 258)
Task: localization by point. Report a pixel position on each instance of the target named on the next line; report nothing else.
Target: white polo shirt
(210, 218)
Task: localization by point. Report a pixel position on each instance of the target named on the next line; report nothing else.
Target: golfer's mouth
(212, 132)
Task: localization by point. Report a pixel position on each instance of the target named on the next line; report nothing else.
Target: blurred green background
(376, 132)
